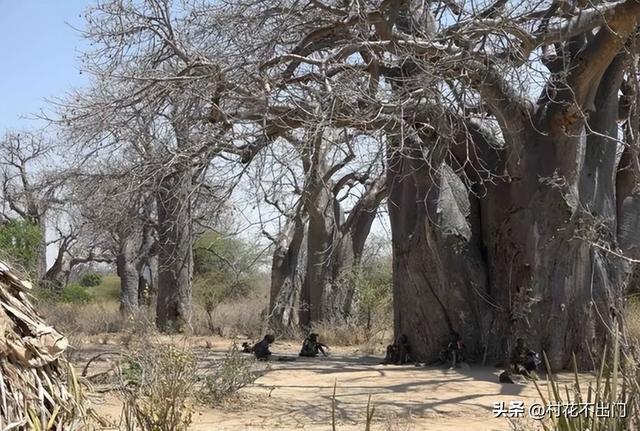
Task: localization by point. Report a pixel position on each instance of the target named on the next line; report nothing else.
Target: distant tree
(225, 267)
(158, 105)
(31, 188)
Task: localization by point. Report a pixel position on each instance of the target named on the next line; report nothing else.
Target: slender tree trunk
(326, 294)
(128, 273)
(41, 269)
(175, 259)
(363, 215)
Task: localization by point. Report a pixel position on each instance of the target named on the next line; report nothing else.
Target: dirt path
(297, 395)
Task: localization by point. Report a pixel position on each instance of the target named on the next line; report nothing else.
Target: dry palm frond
(38, 388)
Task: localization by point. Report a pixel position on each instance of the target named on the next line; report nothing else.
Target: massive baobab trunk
(532, 262)
(175, 259)
(440, 279)
(532, 248)
(287, 274)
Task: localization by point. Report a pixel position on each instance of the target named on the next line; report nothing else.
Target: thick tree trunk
(55, 276)
(287, 273)
(435, 228)
(128, 273)
(175, 259)
(547, 219)
(326, 293)
(524, 259)
(333, 246)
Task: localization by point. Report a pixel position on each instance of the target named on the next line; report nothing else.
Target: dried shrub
(157, 384)
(230, 374)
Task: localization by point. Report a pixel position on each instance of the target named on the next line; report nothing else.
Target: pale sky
(38, 50)
(39, 45)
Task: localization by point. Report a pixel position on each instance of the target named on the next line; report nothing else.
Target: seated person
(456, 348)
(261, 349)
(311, 347)
(524, 360)
(453, 354)
(399, 353)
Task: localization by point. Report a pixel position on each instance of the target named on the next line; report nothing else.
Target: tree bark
(540, 235)
(128, 273)
(287, 273)
(326, 294)
(435, 227)
(41, 269)
(175, 259)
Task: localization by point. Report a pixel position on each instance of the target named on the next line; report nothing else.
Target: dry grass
(242, 317)
(355, 334)
(157, 383)
(227, 376)
(87, 319)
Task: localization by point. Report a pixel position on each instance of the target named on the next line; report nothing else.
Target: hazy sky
(38, 50)
(39, 46)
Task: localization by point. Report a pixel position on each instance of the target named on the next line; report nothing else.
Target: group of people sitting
(311, 347)
(400, 352)
(523, 361)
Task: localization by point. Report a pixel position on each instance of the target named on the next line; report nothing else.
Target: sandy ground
(297, 395)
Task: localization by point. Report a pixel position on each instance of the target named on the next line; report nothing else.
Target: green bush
(20, 243)
(46, 295)
(90, 280)
(217, 253)
(373, 287)
(75, 294)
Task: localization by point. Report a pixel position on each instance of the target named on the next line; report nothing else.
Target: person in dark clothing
(454, 353)
(456, 348)
(524, 360)
(311, 347)
(261, 349)
(400, 352)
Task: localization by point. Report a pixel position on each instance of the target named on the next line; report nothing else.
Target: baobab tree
(327, 222)
(118, 226)
(159, 98)
(31, 188)
(505, 217)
